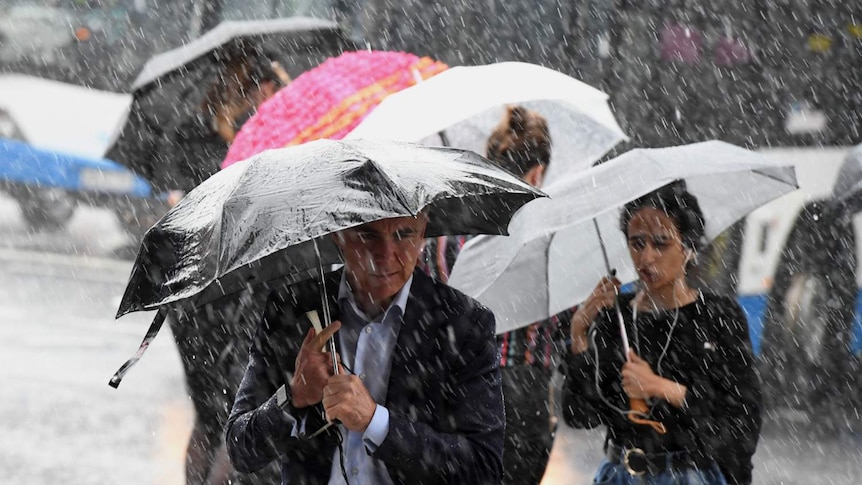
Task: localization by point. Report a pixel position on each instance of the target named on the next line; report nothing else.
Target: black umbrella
(268, 217)
(168, 137)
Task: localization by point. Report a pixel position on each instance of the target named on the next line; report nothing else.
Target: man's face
(380, 256)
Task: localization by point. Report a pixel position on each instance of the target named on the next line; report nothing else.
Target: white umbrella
(466, 103)
(552, 259)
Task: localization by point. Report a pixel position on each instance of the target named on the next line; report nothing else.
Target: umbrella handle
(158, 320)
(639, 411)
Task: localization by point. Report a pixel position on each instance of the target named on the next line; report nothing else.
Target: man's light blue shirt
(367, 346)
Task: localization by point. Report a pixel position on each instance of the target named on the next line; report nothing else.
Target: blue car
(52, 136)
(48, 185)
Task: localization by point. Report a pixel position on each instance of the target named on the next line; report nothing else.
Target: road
(59, 345)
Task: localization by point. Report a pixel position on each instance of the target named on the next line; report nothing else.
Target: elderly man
(419, 399)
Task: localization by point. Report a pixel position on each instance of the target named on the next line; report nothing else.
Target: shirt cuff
(377, 429)
(298, 430)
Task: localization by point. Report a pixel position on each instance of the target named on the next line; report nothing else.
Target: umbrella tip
(115, 381)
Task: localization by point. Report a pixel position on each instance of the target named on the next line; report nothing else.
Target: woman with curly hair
(691, 360)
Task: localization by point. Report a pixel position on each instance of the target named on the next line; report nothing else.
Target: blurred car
(52, 136)
(799, 283)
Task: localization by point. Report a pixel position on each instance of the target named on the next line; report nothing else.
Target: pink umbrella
(329, 100)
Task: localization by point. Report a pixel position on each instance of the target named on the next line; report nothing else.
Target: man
(419, 397)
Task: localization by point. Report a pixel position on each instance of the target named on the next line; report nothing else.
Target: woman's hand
(603, 296)
(640, 382)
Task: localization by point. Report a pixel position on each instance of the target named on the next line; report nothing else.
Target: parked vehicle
(799, 283)
(51, 139)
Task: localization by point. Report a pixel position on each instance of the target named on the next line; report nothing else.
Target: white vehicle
(798, 280)
(52, 136)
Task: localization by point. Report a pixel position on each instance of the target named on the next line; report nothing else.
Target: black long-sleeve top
(708, 351)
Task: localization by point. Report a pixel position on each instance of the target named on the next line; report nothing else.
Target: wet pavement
(59, 345)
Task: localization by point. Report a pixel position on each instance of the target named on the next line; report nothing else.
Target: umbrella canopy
(258, 219)
(848, 185)
(265, 218)
(466, 103)
(167, 137)
(329, 100)
(246, 35)
(555, 251)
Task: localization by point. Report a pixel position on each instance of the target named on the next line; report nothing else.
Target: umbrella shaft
(327, 320)
(623, 333)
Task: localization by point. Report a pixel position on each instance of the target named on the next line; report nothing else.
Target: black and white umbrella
(269, 216)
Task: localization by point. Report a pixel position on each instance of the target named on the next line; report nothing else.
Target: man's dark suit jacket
(446, 421)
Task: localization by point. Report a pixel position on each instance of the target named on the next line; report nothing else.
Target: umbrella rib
(775, 178)
(221, 218)
(395, 188)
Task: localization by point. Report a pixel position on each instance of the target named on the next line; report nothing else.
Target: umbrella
(329, 100)
(265, 218)
(555, 249)
(464, 104)
(557, 254)
(848, 185)
(244, 35)
(169, 93)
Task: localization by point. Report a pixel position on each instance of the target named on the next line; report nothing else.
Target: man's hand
(345, 398)
(313, 368)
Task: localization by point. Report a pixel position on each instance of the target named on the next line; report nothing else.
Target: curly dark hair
(520, 142)
(679, 204)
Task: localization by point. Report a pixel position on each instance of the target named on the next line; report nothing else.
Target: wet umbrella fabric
(553, 257)
(466, 103)
(171, 89)
(266, 217)
(243, 34)
(329, 100)
(848, 185)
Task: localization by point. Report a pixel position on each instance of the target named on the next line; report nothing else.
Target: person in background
(521, 144)
(691, 360)
(213, 340)
(245, 84)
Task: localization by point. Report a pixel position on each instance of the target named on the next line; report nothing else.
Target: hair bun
(517, 118)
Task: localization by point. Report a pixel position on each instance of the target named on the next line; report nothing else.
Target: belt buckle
(635, 461)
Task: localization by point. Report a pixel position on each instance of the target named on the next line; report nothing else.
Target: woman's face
(656, 249)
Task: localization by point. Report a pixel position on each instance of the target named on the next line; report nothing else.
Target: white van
(798, 281)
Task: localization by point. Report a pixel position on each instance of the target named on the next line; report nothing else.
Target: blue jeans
(616, 474)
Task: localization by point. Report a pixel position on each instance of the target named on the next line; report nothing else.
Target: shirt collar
(345, 293)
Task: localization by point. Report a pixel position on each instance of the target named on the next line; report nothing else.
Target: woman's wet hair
(679, 205)
(520, 142)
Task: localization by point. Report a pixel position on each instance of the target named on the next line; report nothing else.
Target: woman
(244, 84)
(521, 144)
(690, 360)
